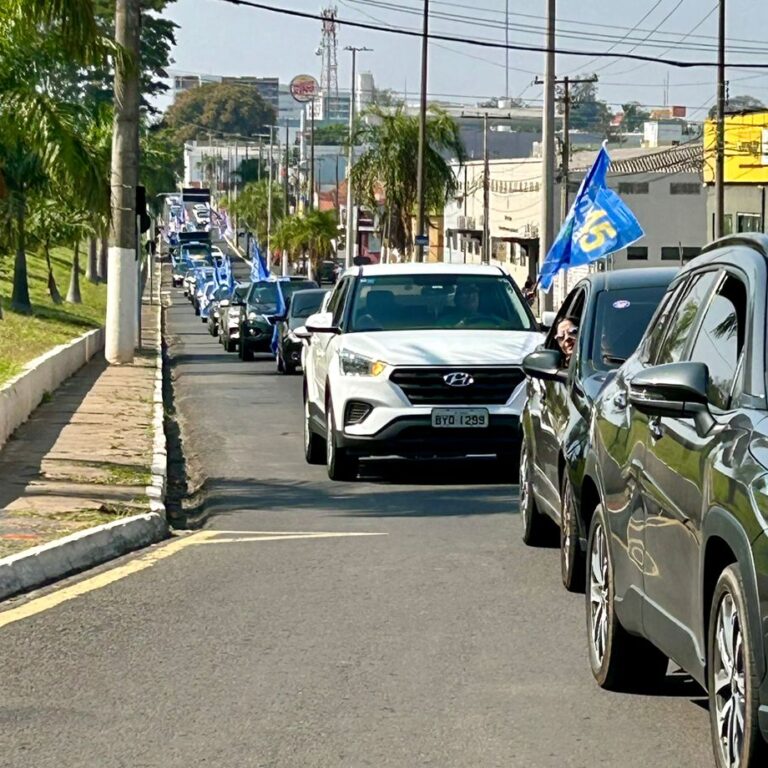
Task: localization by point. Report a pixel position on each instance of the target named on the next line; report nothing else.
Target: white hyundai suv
(416, 360)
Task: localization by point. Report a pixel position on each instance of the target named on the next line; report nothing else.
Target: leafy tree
(634, 116)
(386, 97)
(313, 234)
(738, 104)
(389, 162)
(588, 113)
(227, 108)
(252, 207)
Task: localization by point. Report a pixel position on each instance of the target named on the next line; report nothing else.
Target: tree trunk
(92, 270)
(53, 289)
(73, 294)
(121, 320)
(103, 257)
(20, 299)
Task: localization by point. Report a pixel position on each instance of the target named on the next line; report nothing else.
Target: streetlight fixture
(351, 232)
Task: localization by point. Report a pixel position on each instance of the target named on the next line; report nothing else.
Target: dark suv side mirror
(545, 364)
(678, 390)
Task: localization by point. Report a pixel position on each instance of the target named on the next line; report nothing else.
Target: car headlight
(252, 316)
(353, 364)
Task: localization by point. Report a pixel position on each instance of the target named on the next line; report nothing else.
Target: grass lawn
(25, 337)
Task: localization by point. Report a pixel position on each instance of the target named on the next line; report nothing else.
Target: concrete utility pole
(120, 337)
(351, 233)
(486, 258)
(506, 51)
(286, 203)
(420, 185)
(311, 200)
(720, 148)
(547, 233)
(269, 199)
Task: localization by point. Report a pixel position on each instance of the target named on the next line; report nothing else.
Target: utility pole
(486, 258)
(506, 50)
(351, 235)
(312, 158)
(420, 186)
(269, 200)
(720, 148)
(547, 234)
(120, 339)
(286, 201)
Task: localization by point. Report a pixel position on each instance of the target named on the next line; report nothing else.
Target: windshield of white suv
(438, 302)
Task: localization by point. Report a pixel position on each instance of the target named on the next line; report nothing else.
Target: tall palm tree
(389, 164)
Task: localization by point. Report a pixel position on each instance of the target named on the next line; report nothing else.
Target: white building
(663, 188)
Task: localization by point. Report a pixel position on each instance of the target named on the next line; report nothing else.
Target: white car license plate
(459, 417)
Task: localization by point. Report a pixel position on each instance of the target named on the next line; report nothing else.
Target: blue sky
(216, 37)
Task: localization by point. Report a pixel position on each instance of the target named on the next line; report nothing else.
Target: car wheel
(619, 661)
(538, 530)
(732, 678)
(572, 563)
(314, 446)
(245, 351)
(289, 369)
(197, 308)
(340, 465)
(231, 345)
(280, 363)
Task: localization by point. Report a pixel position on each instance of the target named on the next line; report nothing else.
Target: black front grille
(427, 386)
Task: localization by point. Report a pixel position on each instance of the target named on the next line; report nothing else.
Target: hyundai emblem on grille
(458, 379)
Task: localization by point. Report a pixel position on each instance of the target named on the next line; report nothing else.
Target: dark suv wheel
(619, 661)
(572, 562)
(538, 529)
(732, 678)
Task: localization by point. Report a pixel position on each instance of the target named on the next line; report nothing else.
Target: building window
(574, 186)
(690, 252)
(684, 188)
(637, 253)
(748, 222)
(670, 253)
(728, 224)
(633, 187)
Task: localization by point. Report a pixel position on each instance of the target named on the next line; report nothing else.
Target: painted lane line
(283, 537)
(46, 602)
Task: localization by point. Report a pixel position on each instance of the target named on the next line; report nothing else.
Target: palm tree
(252, 207)
(312, 234)
(389, 164)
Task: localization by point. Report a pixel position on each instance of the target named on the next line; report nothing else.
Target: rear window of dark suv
(621, 317)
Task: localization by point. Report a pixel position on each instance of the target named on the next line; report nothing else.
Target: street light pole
(312, 158)
(720, 148)
(269, 200)
(351, 235)
(486, 195)
(420, 187)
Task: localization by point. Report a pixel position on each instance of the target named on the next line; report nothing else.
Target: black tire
(280, 363)
(538, 529)
(619, 661)
(314, 445)
(730, 599)
(509, 466)
(290, 370)
(245, 351)
(197, 308)
(573, 567)
(338, 462)
(231, 345)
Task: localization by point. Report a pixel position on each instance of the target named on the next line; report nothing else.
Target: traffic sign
(421, 240)
(304, 88)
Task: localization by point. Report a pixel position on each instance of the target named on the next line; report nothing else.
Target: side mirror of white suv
(321, 322)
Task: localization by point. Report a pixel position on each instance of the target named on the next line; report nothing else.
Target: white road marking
(236, 537)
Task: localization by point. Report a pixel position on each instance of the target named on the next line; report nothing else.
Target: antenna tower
(329, 80)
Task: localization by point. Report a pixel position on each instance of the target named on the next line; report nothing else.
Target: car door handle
(654, 427)
(620, 400)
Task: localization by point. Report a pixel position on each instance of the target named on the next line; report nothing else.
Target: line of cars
(645, 448)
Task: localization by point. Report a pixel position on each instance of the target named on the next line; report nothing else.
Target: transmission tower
(329, 80)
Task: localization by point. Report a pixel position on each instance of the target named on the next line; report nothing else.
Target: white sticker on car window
(621, 304)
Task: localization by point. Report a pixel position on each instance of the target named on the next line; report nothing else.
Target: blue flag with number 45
(598, 224)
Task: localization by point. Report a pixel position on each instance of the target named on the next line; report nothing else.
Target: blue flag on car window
(598, 224)
(281, 310)
(259, 266)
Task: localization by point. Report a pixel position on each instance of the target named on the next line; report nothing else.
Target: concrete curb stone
(85, 549)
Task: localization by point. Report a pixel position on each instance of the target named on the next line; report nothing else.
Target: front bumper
(413, 436)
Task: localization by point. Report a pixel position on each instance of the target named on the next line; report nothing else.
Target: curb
(159, 469)
(49, 562)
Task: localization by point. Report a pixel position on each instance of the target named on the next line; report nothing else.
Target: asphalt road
(440, 641)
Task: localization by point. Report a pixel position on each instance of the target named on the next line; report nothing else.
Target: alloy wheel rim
(307, 433)
(329, 450)
(566, 532)
(729, 682)
(598, 595)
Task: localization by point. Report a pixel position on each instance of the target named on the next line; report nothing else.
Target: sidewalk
(85, 456)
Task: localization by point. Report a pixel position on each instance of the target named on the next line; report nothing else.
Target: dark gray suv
(675, 498)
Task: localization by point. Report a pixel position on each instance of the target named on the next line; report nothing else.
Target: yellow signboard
(746, 149)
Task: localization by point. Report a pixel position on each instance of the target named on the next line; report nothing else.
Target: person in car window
(567, 332)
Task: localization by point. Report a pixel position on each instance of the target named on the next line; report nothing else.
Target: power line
(678, 63)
